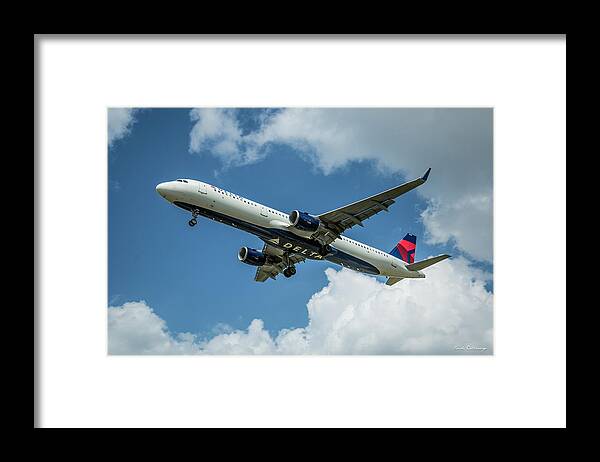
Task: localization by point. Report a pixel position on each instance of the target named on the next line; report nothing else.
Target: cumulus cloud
(134, 328)
(456, 143)
(217, 131)
(120, 122)
(449, 312)
(466, 221)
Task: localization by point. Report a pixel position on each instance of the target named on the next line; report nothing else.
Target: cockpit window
(182, 181)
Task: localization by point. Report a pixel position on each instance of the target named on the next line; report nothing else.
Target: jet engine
(304, 221)
(252, 256)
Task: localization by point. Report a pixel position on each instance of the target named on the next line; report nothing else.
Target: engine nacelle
(252, 256)
(304, 221)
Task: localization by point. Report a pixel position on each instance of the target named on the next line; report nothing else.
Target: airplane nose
(161, 189)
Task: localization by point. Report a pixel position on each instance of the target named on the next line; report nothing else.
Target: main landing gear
(325, 250)
(289, 271)
(193, 221)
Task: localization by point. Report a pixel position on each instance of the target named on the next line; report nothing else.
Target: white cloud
(467, 221)
(120, 122)
(217, 131)
(254, 340)
(353, 314)
(134, 328)
(456, 143)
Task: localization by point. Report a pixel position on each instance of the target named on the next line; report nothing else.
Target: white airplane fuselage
(274, 228)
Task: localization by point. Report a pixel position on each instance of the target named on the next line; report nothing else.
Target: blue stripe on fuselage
(287, 241)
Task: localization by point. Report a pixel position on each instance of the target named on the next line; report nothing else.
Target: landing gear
(193, 221)
(289, 271)
(325, 250)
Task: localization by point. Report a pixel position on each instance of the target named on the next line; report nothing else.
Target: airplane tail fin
(406, 248)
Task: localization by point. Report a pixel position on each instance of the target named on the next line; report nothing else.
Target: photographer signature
(469, 348)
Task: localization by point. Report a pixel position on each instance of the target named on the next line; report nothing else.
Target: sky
(178, 290)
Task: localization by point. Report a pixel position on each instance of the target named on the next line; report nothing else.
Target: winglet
(424, 177)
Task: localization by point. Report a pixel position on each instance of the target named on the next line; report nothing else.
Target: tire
(192, 222)
(323, 251)
(292, 270)
(287, 273)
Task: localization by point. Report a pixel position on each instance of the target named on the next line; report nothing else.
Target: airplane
(292, 238)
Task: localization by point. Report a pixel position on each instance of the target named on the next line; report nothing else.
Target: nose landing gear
(193, 221)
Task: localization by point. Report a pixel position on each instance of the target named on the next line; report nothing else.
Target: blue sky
(191, 277)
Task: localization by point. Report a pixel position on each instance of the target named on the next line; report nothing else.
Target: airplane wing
(276, 264)
(341, 219)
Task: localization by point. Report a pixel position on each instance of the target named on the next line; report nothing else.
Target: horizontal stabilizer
(392, 281)
(419, 265)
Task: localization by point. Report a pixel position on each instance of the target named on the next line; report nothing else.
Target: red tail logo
(406, 248)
